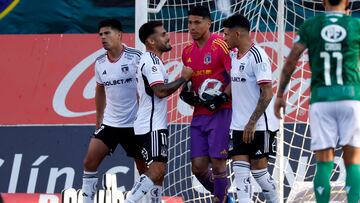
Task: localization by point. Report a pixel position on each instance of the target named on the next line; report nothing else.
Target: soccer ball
(209, 89)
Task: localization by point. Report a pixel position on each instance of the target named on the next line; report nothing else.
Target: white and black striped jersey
(152, 113)
(247, 72)
(119, 80)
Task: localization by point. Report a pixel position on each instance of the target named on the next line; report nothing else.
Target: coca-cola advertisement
(49, 79)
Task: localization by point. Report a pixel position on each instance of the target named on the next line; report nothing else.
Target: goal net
(273, 27)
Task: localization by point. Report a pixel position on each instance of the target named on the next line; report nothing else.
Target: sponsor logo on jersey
(202, 72)
(333, 33)
(104, 73)
(118, 82)
(188, 60)
(238, 79)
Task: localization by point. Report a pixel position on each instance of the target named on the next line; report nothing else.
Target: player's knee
(156, 172)
(142, 168)
(89, 164)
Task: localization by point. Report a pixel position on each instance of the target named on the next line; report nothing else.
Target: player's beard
(166, 48)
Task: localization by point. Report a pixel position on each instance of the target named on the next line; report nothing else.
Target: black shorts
(263, 145)
(154, 146)
(112, 136)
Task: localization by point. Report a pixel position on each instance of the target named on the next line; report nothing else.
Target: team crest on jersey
(242, 67)
(125, 68)
(207, 58)
(154, 69)
(333, 33)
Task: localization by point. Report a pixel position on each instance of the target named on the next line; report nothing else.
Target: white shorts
(332, 122)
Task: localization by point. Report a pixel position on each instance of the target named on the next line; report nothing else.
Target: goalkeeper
(208, 56)
(333, 43)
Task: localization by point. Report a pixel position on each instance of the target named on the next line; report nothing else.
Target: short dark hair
(237, 21)
(335, 2)
(148, 29)
(200, 11)
(113, 23)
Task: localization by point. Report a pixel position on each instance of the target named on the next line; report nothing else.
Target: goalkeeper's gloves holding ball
(188, 96)
(212, 102)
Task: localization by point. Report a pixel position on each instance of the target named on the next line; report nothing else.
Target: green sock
(353, 183)
(322, 181)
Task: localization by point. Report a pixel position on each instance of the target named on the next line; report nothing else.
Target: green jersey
(333, 42)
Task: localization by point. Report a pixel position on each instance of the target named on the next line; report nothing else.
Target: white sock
(267, 184)
(89, 186)
(155, 194)
(140, 188)
(242, 181)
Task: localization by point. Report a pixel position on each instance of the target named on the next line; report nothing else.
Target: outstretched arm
(164, 90)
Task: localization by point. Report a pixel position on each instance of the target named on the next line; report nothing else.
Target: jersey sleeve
(223, 52)
(301, 36)
(97, 74)
(262, 70)
(152, 72)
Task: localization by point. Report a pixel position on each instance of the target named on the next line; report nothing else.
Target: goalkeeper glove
(213, 102)
(189, 96)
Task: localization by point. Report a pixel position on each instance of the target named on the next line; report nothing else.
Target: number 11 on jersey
(327, 66)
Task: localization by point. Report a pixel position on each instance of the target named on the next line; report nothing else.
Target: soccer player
(116, 105)
(151, 122)
(208, 56)
(333, 42)
(253, 124)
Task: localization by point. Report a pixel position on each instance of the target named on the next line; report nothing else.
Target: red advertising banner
(49, 79)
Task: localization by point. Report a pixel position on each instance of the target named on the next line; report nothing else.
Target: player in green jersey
(333, 43)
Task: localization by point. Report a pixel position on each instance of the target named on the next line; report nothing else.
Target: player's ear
(120, 35)
(238, 34)
(150, 40)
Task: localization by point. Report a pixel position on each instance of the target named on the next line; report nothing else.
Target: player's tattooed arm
(289, 67)
(263, 102)
(164, 90)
